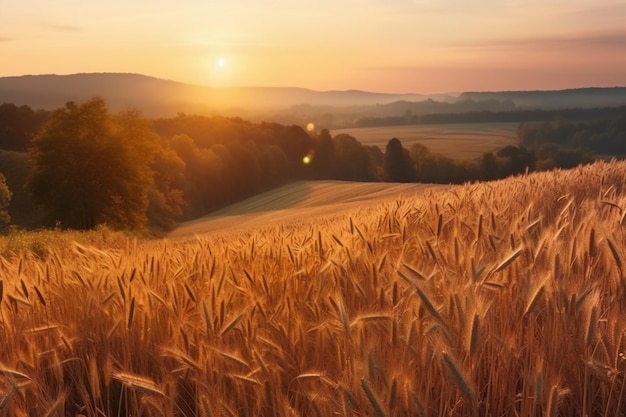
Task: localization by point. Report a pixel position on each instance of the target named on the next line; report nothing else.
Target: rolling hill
(158, 97)
(298, 201)
(163, 98)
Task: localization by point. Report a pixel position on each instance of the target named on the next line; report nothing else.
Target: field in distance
(457, 141)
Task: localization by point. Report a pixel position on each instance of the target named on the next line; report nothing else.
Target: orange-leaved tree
(90, 167)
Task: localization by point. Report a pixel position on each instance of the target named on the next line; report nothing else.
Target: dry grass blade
(190, 293)
(42, 329)
(460, 380)
(533, 224)
(476, 272)
(608, 203)
(11, 373)
(235, 359)
(248, 276)
(59, 403)
(439, 225)
(181, 357)
(245, 379)
(414, 271)
(474, 335)
(372, 398)
(7, 397)
(206, 315)
(494, 285)
(535, 296)
(592, 243)
(339, 242)
(431, 250)
(616, 256)
(40, 297)
(131, 313)
(18, 300)
(508, 260)
(24, 289)
(429, 306)
(231, 324)
(150, 293)
(310, 375)
(370, 318)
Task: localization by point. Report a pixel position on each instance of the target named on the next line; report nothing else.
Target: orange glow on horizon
(418, 47)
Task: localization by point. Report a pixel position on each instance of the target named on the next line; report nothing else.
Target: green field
(458, 141)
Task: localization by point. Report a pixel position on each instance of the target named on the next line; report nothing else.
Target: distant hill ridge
(569, 98)
(159, 97)
(163, 98)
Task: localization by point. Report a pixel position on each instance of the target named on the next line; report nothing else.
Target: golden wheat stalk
(460, 380)
(139, 383)
(372, 398)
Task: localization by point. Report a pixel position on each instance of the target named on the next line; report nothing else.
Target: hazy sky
(416, 46)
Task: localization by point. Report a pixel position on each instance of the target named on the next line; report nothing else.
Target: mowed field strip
(458, 141)
(296, 202)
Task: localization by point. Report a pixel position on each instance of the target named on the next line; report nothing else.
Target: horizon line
(347, 90)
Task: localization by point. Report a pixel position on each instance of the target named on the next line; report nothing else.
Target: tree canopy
(397, 164)
(86, 166)
(90, 167)
(5, 199)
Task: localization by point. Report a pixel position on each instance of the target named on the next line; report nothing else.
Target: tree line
(600, 137)
(82, 166)
(493, 116)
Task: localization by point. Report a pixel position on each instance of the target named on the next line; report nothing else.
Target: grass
(457, 141)
(501, 299)
(41, 243)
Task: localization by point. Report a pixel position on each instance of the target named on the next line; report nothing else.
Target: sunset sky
(419, 46)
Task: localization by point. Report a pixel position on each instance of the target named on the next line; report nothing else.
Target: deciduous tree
(5, 199)
(90, 167)
(397, 164)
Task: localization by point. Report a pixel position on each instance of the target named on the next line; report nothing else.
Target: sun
(221, 62)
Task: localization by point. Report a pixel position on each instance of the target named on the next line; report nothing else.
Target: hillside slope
(295, 202)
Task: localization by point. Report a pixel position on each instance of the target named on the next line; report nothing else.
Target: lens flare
(308, 158)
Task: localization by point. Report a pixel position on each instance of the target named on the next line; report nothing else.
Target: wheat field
(495, 299)
(298, 203)
(462, 141)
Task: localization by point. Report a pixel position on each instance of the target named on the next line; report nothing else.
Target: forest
(493, 116)
(81, 165)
